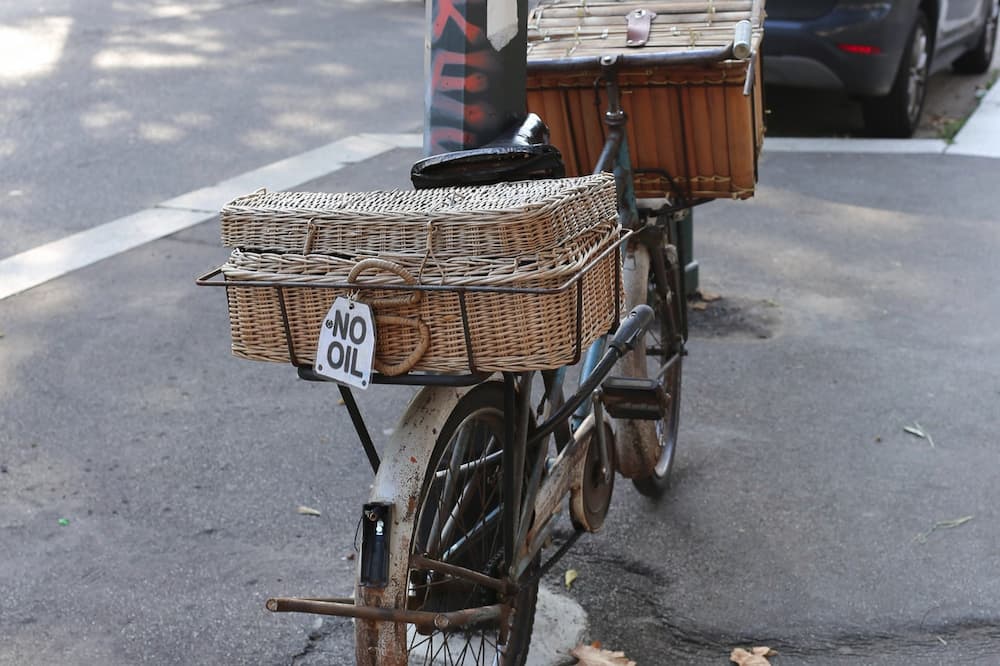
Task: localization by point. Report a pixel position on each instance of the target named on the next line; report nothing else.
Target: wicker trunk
(692, 131)
(516, 276)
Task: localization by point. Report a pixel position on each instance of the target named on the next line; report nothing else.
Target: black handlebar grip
(634, 325)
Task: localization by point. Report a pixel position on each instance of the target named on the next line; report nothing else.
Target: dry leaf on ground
(571, 575)
(308, 511)
(918, 431)
(755, 657)
(699, 306)
(708, 296)
(593, 656)
(942, 525)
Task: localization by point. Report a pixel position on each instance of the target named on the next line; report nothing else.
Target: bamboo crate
(692, 132)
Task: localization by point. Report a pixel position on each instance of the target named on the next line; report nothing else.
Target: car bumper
(806, 53)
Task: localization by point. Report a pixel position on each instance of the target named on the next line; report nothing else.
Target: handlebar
(633, 326)
(741, 40)
(576, 63)
(624, 341)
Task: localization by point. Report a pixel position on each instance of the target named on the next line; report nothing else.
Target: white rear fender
(398, 482)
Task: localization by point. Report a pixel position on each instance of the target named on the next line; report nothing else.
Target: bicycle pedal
(634, 398)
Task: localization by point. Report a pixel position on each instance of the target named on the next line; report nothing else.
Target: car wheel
(977, 61)
(897, 114)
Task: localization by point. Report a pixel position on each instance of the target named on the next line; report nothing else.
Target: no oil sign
(345, 351)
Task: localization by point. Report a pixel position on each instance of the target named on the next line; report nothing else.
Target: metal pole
(473, 90)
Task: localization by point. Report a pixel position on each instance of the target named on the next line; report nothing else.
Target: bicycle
(470, 487)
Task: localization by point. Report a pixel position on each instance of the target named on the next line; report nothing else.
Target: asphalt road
(149, 481)
(111, 107)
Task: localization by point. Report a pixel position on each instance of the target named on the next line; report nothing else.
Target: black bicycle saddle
(521, 152)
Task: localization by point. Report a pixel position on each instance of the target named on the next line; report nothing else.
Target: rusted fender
(398, 482)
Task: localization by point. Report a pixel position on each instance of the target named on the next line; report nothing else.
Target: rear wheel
(898, 113)
(978, 60)
(459, 521)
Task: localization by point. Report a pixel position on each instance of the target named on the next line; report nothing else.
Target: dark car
(881, 52)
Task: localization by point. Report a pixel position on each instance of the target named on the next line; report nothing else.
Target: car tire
(977, 61)
(898, 113)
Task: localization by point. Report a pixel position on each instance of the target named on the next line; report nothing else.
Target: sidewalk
(981, 133)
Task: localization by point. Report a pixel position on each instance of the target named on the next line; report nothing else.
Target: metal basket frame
(427, 378)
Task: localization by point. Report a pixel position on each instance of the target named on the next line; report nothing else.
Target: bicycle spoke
(459, 522)
(460, 525)
(472, 465)
(444, 644)
(464, 436)
(465, 652)
(483, 522)
(467, 495)
(463, 542)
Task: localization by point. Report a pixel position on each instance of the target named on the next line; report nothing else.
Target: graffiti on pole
(471, 94)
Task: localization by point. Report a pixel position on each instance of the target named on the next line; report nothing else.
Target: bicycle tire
(650, 446)
(471, 436)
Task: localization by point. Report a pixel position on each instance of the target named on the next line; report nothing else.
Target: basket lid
(505, 219)
(439, 203)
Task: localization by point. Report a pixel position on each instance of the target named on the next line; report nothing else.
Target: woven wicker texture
(503, 220)
(692, 132)
(508, 331)
(556, 235)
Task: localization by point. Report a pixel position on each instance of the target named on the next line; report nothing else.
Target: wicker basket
(692, 132)
(449, 312)
(503, 220)
(529, 315)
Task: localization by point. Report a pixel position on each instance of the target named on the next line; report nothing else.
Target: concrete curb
(560, 625)
(980, 136)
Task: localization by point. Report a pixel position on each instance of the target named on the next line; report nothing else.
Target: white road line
(980, 137)
(33, 267)
(41, 264)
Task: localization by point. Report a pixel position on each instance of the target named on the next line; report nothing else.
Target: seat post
(472, 90)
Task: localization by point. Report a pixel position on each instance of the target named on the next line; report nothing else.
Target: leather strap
(640, 22)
